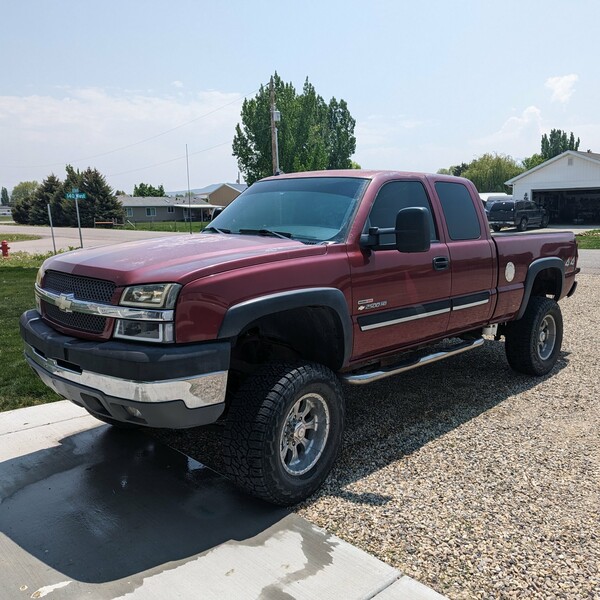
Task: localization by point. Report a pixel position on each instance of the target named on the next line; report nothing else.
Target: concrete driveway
(87, 511)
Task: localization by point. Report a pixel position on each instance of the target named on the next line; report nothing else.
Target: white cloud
(519, 135)
(94, 127)
(562, 87)
(177, 83)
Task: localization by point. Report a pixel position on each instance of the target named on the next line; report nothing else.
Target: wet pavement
(88, 511)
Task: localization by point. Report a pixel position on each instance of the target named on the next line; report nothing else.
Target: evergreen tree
(45, 194)
(4, 199)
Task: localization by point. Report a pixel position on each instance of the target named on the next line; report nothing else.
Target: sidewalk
(90, 511)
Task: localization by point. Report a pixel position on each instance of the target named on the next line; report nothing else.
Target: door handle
(440, 263)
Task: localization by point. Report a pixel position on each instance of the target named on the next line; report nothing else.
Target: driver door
(399, 298)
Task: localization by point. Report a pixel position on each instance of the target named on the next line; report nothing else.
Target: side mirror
(412, 230)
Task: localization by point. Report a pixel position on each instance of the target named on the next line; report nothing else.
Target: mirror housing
(411, 232)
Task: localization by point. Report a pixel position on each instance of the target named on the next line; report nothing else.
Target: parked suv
(515, 213)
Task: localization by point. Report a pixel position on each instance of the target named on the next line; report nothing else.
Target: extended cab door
(472, 256)
(399, 298)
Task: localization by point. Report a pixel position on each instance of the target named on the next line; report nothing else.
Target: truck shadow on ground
(108, 504)
(397, 416)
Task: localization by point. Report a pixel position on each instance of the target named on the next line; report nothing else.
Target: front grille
(84, 288)
(75, 320)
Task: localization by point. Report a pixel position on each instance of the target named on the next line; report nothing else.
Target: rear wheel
(283, 431)
(522, 226)
(534, 341)
(545, 221)
(496, 228)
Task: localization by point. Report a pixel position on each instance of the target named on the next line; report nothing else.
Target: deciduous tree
(490, 171)
(558, 142)
(312, 134)
(146, 189)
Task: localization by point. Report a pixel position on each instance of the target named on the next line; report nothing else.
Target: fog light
(144, 331)
(134, 412)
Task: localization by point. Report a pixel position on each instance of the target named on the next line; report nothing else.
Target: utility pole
(275, 118)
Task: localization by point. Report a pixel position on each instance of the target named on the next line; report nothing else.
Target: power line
(175, 159)
(143, 141)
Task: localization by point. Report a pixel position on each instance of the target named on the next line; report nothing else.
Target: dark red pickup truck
(304, 281)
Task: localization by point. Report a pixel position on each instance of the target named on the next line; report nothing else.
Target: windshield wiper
(279, 234)
(212, 228)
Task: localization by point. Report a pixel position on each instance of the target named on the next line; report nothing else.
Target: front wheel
(545, 221)
(283, 431)
(534, 341)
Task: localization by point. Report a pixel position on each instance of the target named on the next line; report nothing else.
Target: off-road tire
(257, 420)
(534, 341)
(522, 226)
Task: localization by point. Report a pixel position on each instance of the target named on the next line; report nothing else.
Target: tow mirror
(411, 232)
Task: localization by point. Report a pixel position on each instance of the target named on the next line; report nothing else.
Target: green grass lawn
(167, 226)
(590, 240)
(18, 237)
(19, 386)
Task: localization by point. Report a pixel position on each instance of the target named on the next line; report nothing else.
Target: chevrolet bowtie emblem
(64, 302)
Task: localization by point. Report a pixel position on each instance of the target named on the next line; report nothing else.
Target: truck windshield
(309, 209)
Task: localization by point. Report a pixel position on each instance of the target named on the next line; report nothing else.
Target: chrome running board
(408, 365)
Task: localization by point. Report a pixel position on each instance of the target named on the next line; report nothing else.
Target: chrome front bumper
(174, 386)
(195, 392)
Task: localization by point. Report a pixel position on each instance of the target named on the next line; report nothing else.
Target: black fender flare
(241, 315)
(536, 267)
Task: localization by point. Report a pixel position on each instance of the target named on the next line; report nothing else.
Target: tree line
(489, 171)
(31, 202)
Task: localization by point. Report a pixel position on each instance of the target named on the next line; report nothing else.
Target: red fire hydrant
(5, 248)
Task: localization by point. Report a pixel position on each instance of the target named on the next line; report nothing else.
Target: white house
(568, 186)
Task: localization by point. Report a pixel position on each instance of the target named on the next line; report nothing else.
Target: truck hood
(178, 259)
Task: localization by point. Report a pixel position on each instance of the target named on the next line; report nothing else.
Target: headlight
(156, 296)
(153, 295)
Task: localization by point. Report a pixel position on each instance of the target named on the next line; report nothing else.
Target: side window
(391, 199)
(459, 210)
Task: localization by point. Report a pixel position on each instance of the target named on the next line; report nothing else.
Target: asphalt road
(68, 237)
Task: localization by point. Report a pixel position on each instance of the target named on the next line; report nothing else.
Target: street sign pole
(51, 228)
(75, 195)
(78, 220)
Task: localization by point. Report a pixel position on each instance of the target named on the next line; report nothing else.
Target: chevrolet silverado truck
(305, 281)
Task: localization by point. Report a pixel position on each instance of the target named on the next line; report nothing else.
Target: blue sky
(430, 84)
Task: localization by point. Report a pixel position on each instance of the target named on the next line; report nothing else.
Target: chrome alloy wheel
(546, 337)
(304, 434)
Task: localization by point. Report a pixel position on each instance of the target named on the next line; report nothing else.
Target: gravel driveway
(471, 478)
